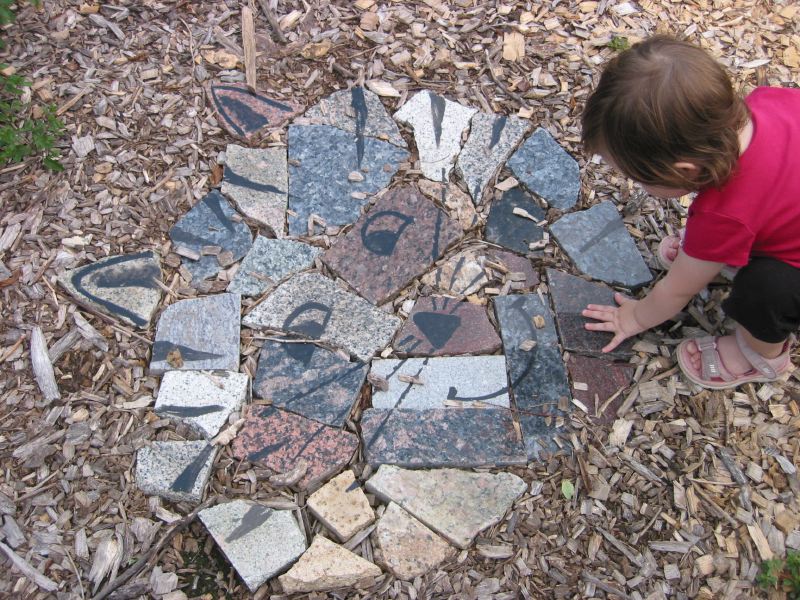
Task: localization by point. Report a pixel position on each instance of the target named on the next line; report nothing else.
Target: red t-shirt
(757, 211)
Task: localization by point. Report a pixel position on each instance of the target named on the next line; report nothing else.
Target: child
(665, 115)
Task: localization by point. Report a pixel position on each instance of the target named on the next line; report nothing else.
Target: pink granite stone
(604, 379)
(244, 113)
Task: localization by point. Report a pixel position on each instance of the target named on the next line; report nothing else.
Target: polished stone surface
(268, 262)
(603, 378)
(341, 506)
(177, 471)
(243, 113)
(511, 231)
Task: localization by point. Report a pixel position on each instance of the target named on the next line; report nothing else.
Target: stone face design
(571, 295)
(600, 246)
(406, 547)
(257, 180)
(268, 262)
(315, 307)
(439, 325)
(176, 471)
(457, 204)
(492, 139)
(202, 399)
(308, 380)
(280, 441)
(341, 506)
(327, 566)
(505, 228)
(321, 159)
(397, 240)
(123, 287)
(258, 541)
(459, 380)
(547, 170)
(198, 334)
(438, 124)
(244, 113)
(449, 437)
(211, 223)
(538, 378)
(604, 378)
(467, 272)
(357, 111)
(457, 504)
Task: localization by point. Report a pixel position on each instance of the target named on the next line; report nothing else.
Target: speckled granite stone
(258, 541)
(468, 272)
(308, 380)
(600, 246)
(604, 378)
(176, 471)
(505, 228)
(341, 506)
(198, 334)
(397, 240)
(315, 307)
(492, 139)
(457, 203)
(457, 504)
(438, 124)
(123, 287)
(547, 170)
(243, 113)
(268, 262)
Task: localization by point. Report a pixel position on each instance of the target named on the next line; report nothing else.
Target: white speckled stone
(341, 506)
(269, 261)
(177, 471)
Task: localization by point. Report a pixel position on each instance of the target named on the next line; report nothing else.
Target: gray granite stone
(257, 180)
(538, 377)
(124, 287)
(315, 307)
(199, 333)
(438, 124)
(511, 231)
(202, 399)
(492, 139)
(321, 160)
(546, 169)
(457, 504)
(211, 222)
(268, 262)
(258, 541)
(457, 379)
(176, 471)
(600, 246)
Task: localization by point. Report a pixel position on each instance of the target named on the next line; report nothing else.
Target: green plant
(619, 43)
(778, 572)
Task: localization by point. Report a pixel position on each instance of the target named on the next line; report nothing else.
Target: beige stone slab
(342, 510)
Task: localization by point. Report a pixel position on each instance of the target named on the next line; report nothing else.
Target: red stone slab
(243, 113)
(603, 378)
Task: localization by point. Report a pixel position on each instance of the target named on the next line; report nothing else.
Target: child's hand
(620, 320)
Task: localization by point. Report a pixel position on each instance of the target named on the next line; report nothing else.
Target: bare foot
(730, 356)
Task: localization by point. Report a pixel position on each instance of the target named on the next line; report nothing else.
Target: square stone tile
(308, 380)
(268, 262)
(506, 229)
(397, 240)
(244, 113)
(341, 506)
(604, 378)
(176, 471)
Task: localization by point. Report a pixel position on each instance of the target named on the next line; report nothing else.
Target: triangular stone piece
(176, 471)
(244, 113)
(268, 262)
(341, 506)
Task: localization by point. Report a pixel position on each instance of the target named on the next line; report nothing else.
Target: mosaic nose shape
(438, 328)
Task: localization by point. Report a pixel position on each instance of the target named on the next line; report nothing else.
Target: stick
(273, 21)
(608, 589)
(42, 367)
(249, 45)
(26, 569)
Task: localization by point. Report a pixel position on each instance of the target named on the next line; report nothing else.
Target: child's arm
(686, 277)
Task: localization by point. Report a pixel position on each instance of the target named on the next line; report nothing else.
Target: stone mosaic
(177, 471)
(512, 231)
(268, 262)
(244, 113)
(468, 272)
(341, 506)
(602, 378)
(456, 202)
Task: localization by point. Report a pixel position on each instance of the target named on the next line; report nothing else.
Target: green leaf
(619, 43)
(53, 164)
(567, 489)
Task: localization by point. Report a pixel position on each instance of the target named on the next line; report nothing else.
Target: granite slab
(321, 160)
(211, 222)
(124, 287)
(257, 180)
(198, 334)
(341, 506)
(315, 307)
(456, 504)
(439, 325)
(438, 124)
(456, 202)
(445, 380)
(538, 378)
(203, 400)
(469, 271)
(506, 229)
(309, 380)
(571, 295)
(244, 113)
(547, 170)
(281, 441)
(598, 243)
(603, 378)
(259, 542)
(177, 471)
(492, 139)
(397, 240)
(268, 262)
(448, 437)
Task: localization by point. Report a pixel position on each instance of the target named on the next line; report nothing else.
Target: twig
(503, 86)
(249, 46)
(27, 569)
(273, 21)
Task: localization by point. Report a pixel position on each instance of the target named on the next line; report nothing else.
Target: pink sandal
(728, 271)
(715, 376)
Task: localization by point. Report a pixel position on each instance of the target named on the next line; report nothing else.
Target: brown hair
(665, 101)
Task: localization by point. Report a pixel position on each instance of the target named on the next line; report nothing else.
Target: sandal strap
(710, 361)
(759, 363)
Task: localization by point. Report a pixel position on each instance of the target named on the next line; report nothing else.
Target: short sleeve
(717, 238)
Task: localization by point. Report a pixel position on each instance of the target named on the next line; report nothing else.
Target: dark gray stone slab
(321, 160)
(268, 262)
(538, 377)
(212, 222)
(199, 333)
(308, 380)
(600, 246)
(547, 170)
(505, 228)
(124, 287)
(176, 471)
